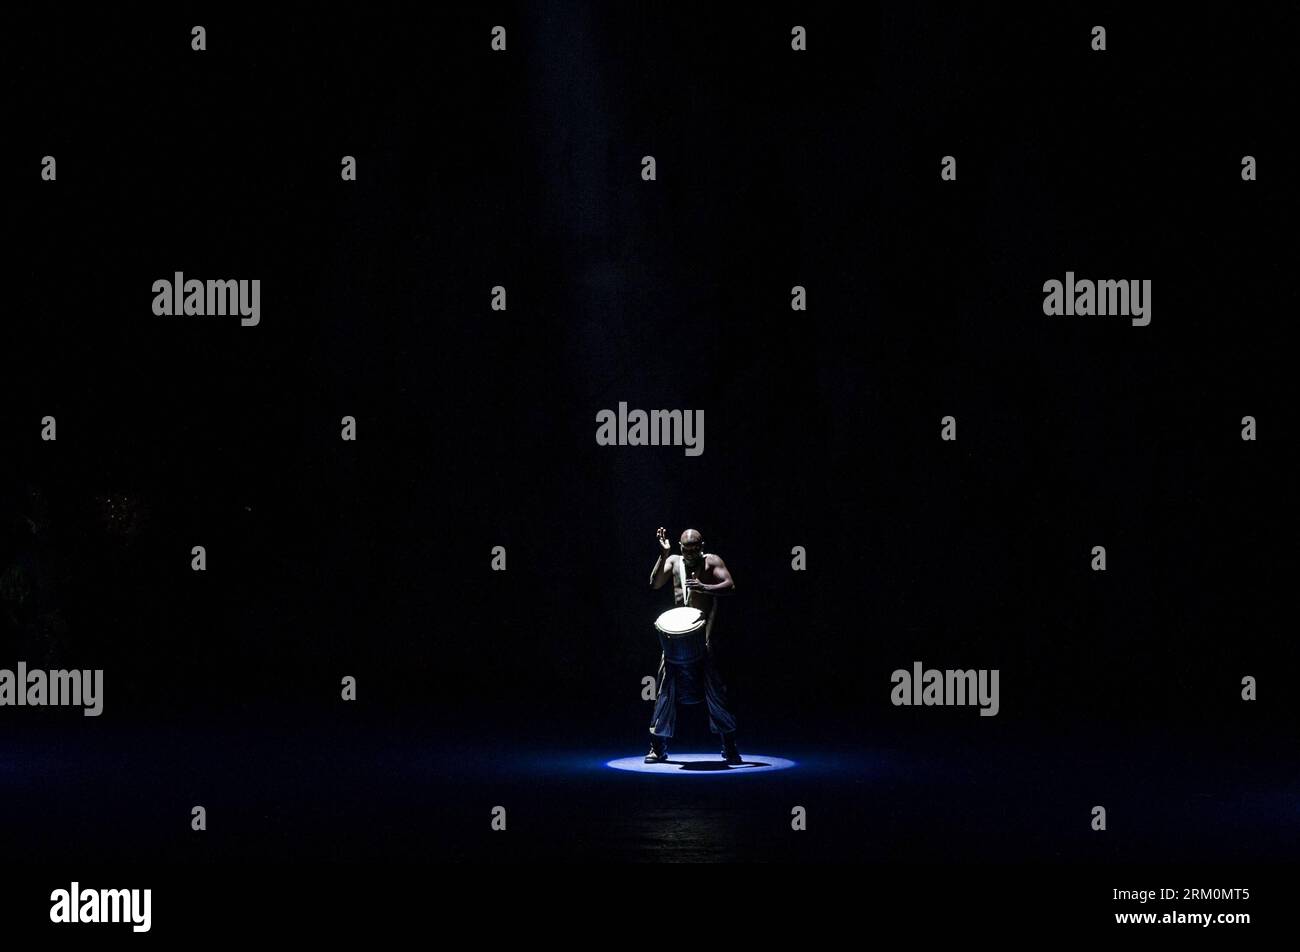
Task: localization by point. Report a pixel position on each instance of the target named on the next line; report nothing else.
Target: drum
(681, 634)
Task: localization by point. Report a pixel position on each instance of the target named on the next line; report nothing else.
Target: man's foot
(729, 752)
(658, 753)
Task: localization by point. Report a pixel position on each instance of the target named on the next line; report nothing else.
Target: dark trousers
(690, 684)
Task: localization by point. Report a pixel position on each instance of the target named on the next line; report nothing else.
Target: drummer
(706, 577)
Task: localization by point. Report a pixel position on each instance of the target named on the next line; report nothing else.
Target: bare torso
(703, 570)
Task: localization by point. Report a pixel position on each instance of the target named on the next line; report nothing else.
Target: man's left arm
(724, 586)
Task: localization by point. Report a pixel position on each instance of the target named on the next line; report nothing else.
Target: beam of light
(702, 765)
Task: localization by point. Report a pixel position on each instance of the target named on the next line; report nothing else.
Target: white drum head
(680, 621)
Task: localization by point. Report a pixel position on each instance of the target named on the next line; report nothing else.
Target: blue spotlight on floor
(702, 765)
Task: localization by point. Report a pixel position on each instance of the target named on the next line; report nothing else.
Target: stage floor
(388, 789)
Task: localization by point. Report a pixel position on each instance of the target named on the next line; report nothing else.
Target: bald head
(692, 544)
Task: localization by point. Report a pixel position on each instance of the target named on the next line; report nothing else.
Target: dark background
(477, 428)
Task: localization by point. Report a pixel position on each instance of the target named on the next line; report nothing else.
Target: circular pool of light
(702, 765)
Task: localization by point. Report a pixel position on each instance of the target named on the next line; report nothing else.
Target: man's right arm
(663, 570)
(662, 573)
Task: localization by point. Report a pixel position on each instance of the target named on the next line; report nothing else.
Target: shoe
(729, 752)
(658, 752)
